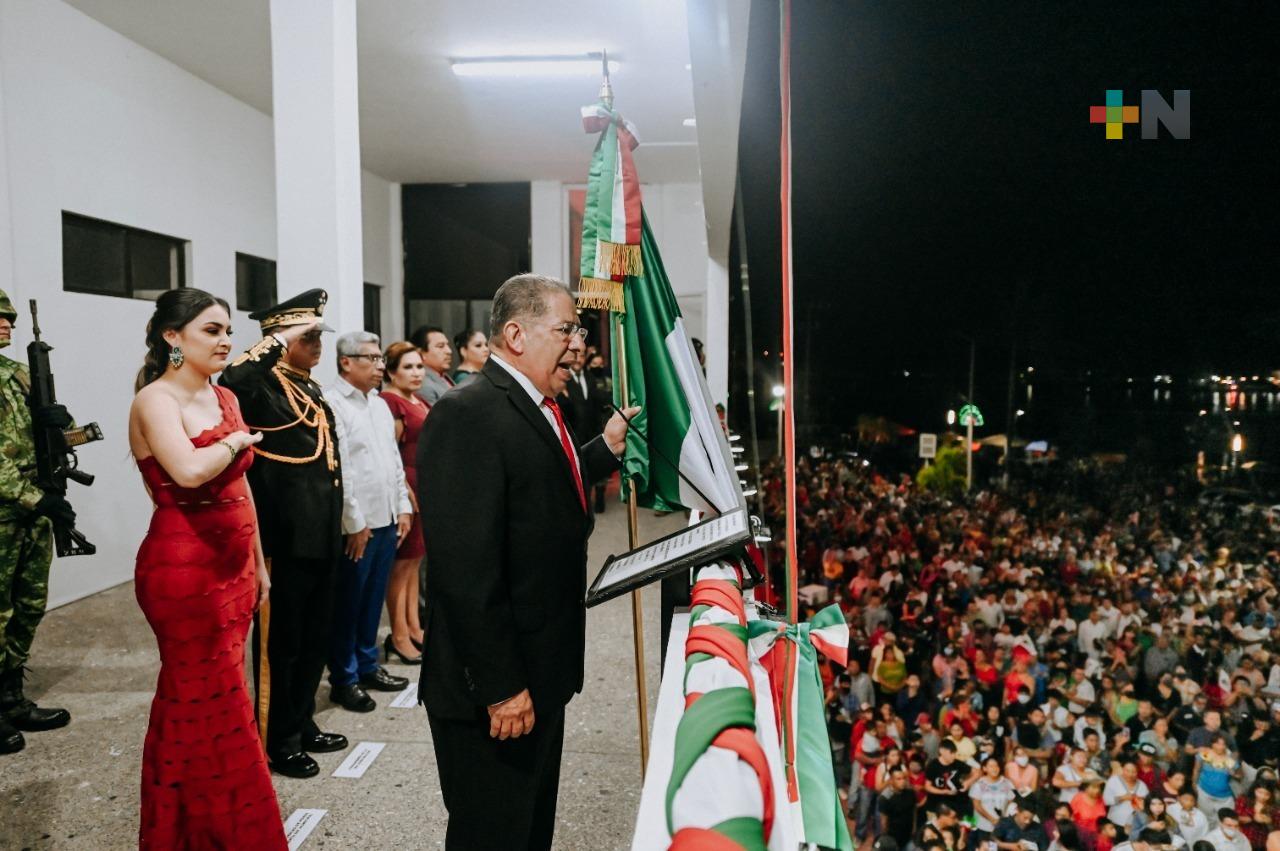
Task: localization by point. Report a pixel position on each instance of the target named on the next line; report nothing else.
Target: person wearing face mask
(26, 545)
(1227, 836)
(1024, 776)
(502, 485)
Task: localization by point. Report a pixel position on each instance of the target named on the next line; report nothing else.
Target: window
(373, 309)
(104, 258)
(255, 282)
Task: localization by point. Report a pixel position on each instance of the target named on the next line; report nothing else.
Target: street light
(779, 391)
(1237, 447)
(951, 417)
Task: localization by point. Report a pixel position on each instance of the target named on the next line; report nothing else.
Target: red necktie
(568, 449)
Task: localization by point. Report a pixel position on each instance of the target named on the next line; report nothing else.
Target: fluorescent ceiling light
(690, 122)
(579, 65)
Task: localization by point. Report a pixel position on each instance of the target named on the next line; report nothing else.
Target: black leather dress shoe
(380, 680)
(324, 743)
(352, 698)
(32, 719)
(11, 740)
(297, 765)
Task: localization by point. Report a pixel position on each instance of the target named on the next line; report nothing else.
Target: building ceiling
(421, 123)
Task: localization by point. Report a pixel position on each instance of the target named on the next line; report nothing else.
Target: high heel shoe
(416, 644)
(389, 647)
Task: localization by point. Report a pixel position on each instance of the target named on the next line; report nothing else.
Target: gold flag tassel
(619, 258)
(601, 294)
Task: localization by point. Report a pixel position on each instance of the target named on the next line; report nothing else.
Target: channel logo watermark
(1153, 112)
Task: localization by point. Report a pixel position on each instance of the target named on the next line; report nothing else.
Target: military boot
(11, 740)
(23, 714)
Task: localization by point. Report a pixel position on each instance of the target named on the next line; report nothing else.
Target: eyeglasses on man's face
(570, 329)
(374, 359)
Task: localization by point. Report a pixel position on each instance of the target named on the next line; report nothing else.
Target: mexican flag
(622, 270)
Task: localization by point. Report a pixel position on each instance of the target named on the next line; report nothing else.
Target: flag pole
(633, 538)
(633, 520)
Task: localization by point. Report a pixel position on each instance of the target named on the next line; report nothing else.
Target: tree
(945, 476)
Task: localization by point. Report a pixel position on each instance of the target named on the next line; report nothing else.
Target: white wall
(97, 125)
(675, 214)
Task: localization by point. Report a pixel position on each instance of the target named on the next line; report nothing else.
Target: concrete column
(317, 141)
(548, 231)
(394, 294)
(716, 316)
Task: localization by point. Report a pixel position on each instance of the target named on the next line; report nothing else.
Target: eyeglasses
(370, 358)
(570, 329)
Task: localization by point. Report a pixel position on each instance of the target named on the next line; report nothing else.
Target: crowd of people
(1088, 662)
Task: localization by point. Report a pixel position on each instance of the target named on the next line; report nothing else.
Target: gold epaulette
(257, 350)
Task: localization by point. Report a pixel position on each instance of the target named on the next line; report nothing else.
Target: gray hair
(522, 297)
(349, 344)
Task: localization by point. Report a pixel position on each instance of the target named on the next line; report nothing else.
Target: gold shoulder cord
(309, 414)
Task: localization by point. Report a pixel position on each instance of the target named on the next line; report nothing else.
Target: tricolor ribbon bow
(798, 697)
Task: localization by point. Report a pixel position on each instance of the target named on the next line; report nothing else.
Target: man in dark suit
(502, 488)
(297, 485)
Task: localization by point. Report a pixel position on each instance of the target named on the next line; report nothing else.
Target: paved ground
(78, 787)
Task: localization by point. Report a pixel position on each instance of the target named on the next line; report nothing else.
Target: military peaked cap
(302, 309)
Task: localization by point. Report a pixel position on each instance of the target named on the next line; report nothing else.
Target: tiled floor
(78, 787)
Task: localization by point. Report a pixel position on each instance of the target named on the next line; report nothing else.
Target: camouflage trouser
(26, 549)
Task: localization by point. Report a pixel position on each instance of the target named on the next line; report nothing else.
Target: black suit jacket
(506, 550)
(582, 409)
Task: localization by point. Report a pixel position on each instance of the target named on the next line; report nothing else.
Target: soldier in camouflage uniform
(26, 544)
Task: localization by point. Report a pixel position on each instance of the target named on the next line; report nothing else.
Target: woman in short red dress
(404, 372)
(199, 576)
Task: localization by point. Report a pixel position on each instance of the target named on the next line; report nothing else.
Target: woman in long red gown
(199, 576)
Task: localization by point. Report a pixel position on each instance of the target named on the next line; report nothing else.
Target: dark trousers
(297, 645)
(499, 794)
(362, 592)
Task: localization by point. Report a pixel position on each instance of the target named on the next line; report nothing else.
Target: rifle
(56, 459)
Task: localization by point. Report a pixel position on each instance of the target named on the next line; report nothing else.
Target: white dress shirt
(1191, 823)
(536, 395)
(373, 488)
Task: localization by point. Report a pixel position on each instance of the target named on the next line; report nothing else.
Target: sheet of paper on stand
(702, 543)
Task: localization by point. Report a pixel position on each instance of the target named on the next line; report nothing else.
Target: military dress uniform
(297, 488)
(26, 551)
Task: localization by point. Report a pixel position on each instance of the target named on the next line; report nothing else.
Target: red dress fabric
(413, 415)
(205, 781)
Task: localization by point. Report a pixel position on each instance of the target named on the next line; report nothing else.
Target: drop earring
(176, 357)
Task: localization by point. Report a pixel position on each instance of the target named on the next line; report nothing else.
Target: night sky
(946, 178)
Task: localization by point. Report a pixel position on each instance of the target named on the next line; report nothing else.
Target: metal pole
(968, 445)
(740, 221)
(968, 457)
(633, 536)
(782, 407)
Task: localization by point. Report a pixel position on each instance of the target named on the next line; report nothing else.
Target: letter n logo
(1156, 111)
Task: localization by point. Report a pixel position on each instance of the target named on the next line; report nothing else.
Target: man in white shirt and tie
(376, 515)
